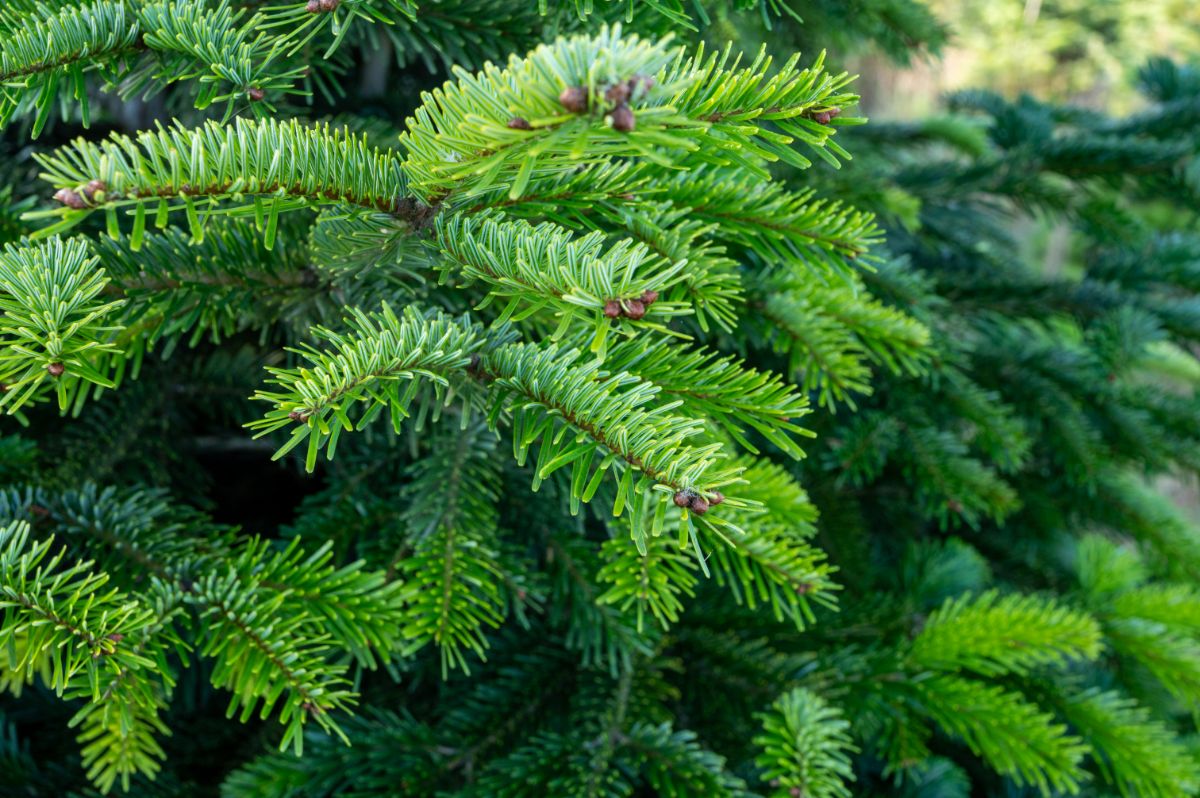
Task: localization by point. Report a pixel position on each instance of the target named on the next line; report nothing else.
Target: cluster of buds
(630, 308)
(321, 6)
(823, 117)
(697, 503)
(619, 94)
(299, 415)
(575, 99)
(92, 192)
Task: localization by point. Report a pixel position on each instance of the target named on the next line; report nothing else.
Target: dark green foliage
(415, 398)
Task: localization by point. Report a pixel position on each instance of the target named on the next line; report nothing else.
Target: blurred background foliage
(1077, 51)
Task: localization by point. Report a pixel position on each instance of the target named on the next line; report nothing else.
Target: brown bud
(475, 367)
(623, 119)
(634, 309)
(835, 111)
(116, 637)
(521, 594)
(69, 198)
(255, 93)
(618, 93)
(715, 497)
(93, 188)
(329, 5)
(574, 99)
(612, 309)
(643, 82)
(56, 369)
(823, 118)
(298, 415)
(519, 123)
(683, 498)
(3, 387)
(804, 588)
(313, 6)
(954, 505)
(699, 505)
(649, 297)
(628, 197)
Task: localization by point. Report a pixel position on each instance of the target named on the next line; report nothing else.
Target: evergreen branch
(266, 167)
(602, 635)
(48, 55)
(830, 332)
(452, 578)
(651, 582)
(176, 288)
(673, 764)
(805, 747)
(721, 388)
(1173, 659)
(266, 657)
(120, 723)
(360, 611)
(993, 634)
(388, 750)
(553, 396)
(1175, 606)
(776, 224)
(464, 138)
(1009, 733)
(615, 418)
(64, 613)
(36, 55)
(372, 364)
(539, 267)
(231, 61)
(53, 326)
(1137, 755)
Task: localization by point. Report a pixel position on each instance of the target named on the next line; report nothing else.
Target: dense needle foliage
(479, 398)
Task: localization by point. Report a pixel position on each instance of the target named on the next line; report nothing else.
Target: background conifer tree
(413, 399)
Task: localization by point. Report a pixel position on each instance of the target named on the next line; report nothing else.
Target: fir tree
(550, 306)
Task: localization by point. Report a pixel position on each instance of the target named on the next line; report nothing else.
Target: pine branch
(141, 46)
(36, 56)
(721, 388)
(652, 582)
(53, 330)
(1137, 755)
(265, 168)
(993, 634)
(529, 268)
(553, 396)
(461, 139)
(1013, 736)
(453, 583)
(805, 747)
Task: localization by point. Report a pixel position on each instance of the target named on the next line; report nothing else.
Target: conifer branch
(265, 168)
(805, 747)
(461, 139)
(992, 634)
(55, 325)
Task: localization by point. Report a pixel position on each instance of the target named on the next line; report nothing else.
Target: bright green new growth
(806, 747)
